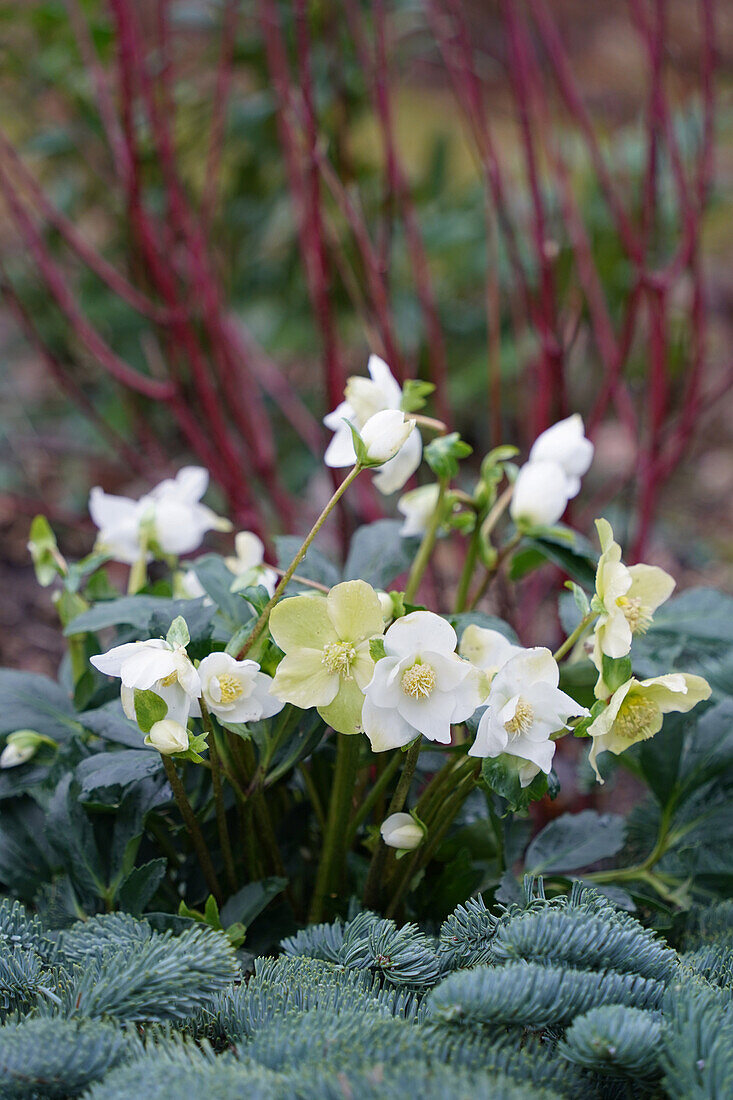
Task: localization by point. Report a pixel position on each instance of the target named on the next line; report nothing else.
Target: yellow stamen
(338, 657)
(169, 679)
(419, 681)
(636, 718)
(522, 721)
(230, 688)
(635, 613)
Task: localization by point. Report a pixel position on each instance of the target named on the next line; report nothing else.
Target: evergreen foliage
(498, 1005)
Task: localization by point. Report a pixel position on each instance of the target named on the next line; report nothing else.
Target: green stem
(373, 886)
(290, 571)
(374, 795)
(570, 641)
(312, 792)
(333, 851)
(192, 825)
(221, 814)
(425, 549)
(491, 571)
(422, 855)
(468, 568)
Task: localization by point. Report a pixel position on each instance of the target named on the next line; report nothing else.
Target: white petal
(529, 667)
(395, 473)
(340, 451)
(385, 728)
(384, 687)
(110, 663)
(565, 443)
(250, 550)
(538, 752)
(432, 717)
(491, 737)
(419, 631)
(382, 376)
(540, 494)
(142, 668)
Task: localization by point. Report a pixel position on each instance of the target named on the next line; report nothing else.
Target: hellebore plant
(329, 736)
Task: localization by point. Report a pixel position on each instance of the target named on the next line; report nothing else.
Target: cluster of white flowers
(558, 459)
(170, 519)
(235, 691)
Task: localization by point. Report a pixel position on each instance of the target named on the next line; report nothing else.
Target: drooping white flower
(636, 710)
(170, 518)
(363, 398)
(236, 691)
(417, 507)
(626, 597)
(248, 564)
(168, 736)
(487, 649)
(565, 444)
(402, 831)
(524, 707)
(154, 665)
(421, 686)
(187, 586)
(540, 494)
(385, 433)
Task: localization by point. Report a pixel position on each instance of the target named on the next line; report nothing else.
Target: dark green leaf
(145, 613)
(575, 840)
(140, 885)
(149, 709)
(443, 454)
(315, 566)
(30, 701)
(116, 769)
(378, 553)
(251, 900)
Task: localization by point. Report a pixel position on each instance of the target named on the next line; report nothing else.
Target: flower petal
(303, 679)
(432, 716)
(344, 713)
(385, 380)
(419, 631)
(302, 621)
(385, 728)
(355, 611)
(651, 585)
(395, 473)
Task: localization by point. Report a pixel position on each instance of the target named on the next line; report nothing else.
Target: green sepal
(178, 633)
(414, 392)
(376, 649)
(360, 450)
(443, 454)
(616, 671)
(149, 709)
(196, 745)
(580, 729)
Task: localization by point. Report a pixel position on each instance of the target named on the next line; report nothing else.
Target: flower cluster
(338, 653)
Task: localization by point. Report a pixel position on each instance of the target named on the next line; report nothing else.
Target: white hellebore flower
(421, 686)
(248, 564)
(525, 706)
(565, 444)
(168, 736)
(417, 507)
(402, 831)
(626, 597)
(171, 516)
(187, 586)
(363, 398)
(157, 666)
(236, 691)
(540, 494)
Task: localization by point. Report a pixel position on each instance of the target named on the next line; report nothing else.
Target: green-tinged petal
(355, 611)
(605, 535)
(651, 585)
(302, 622)
(344, 713)
(303, 679)
(678, 691)
(362, 668)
